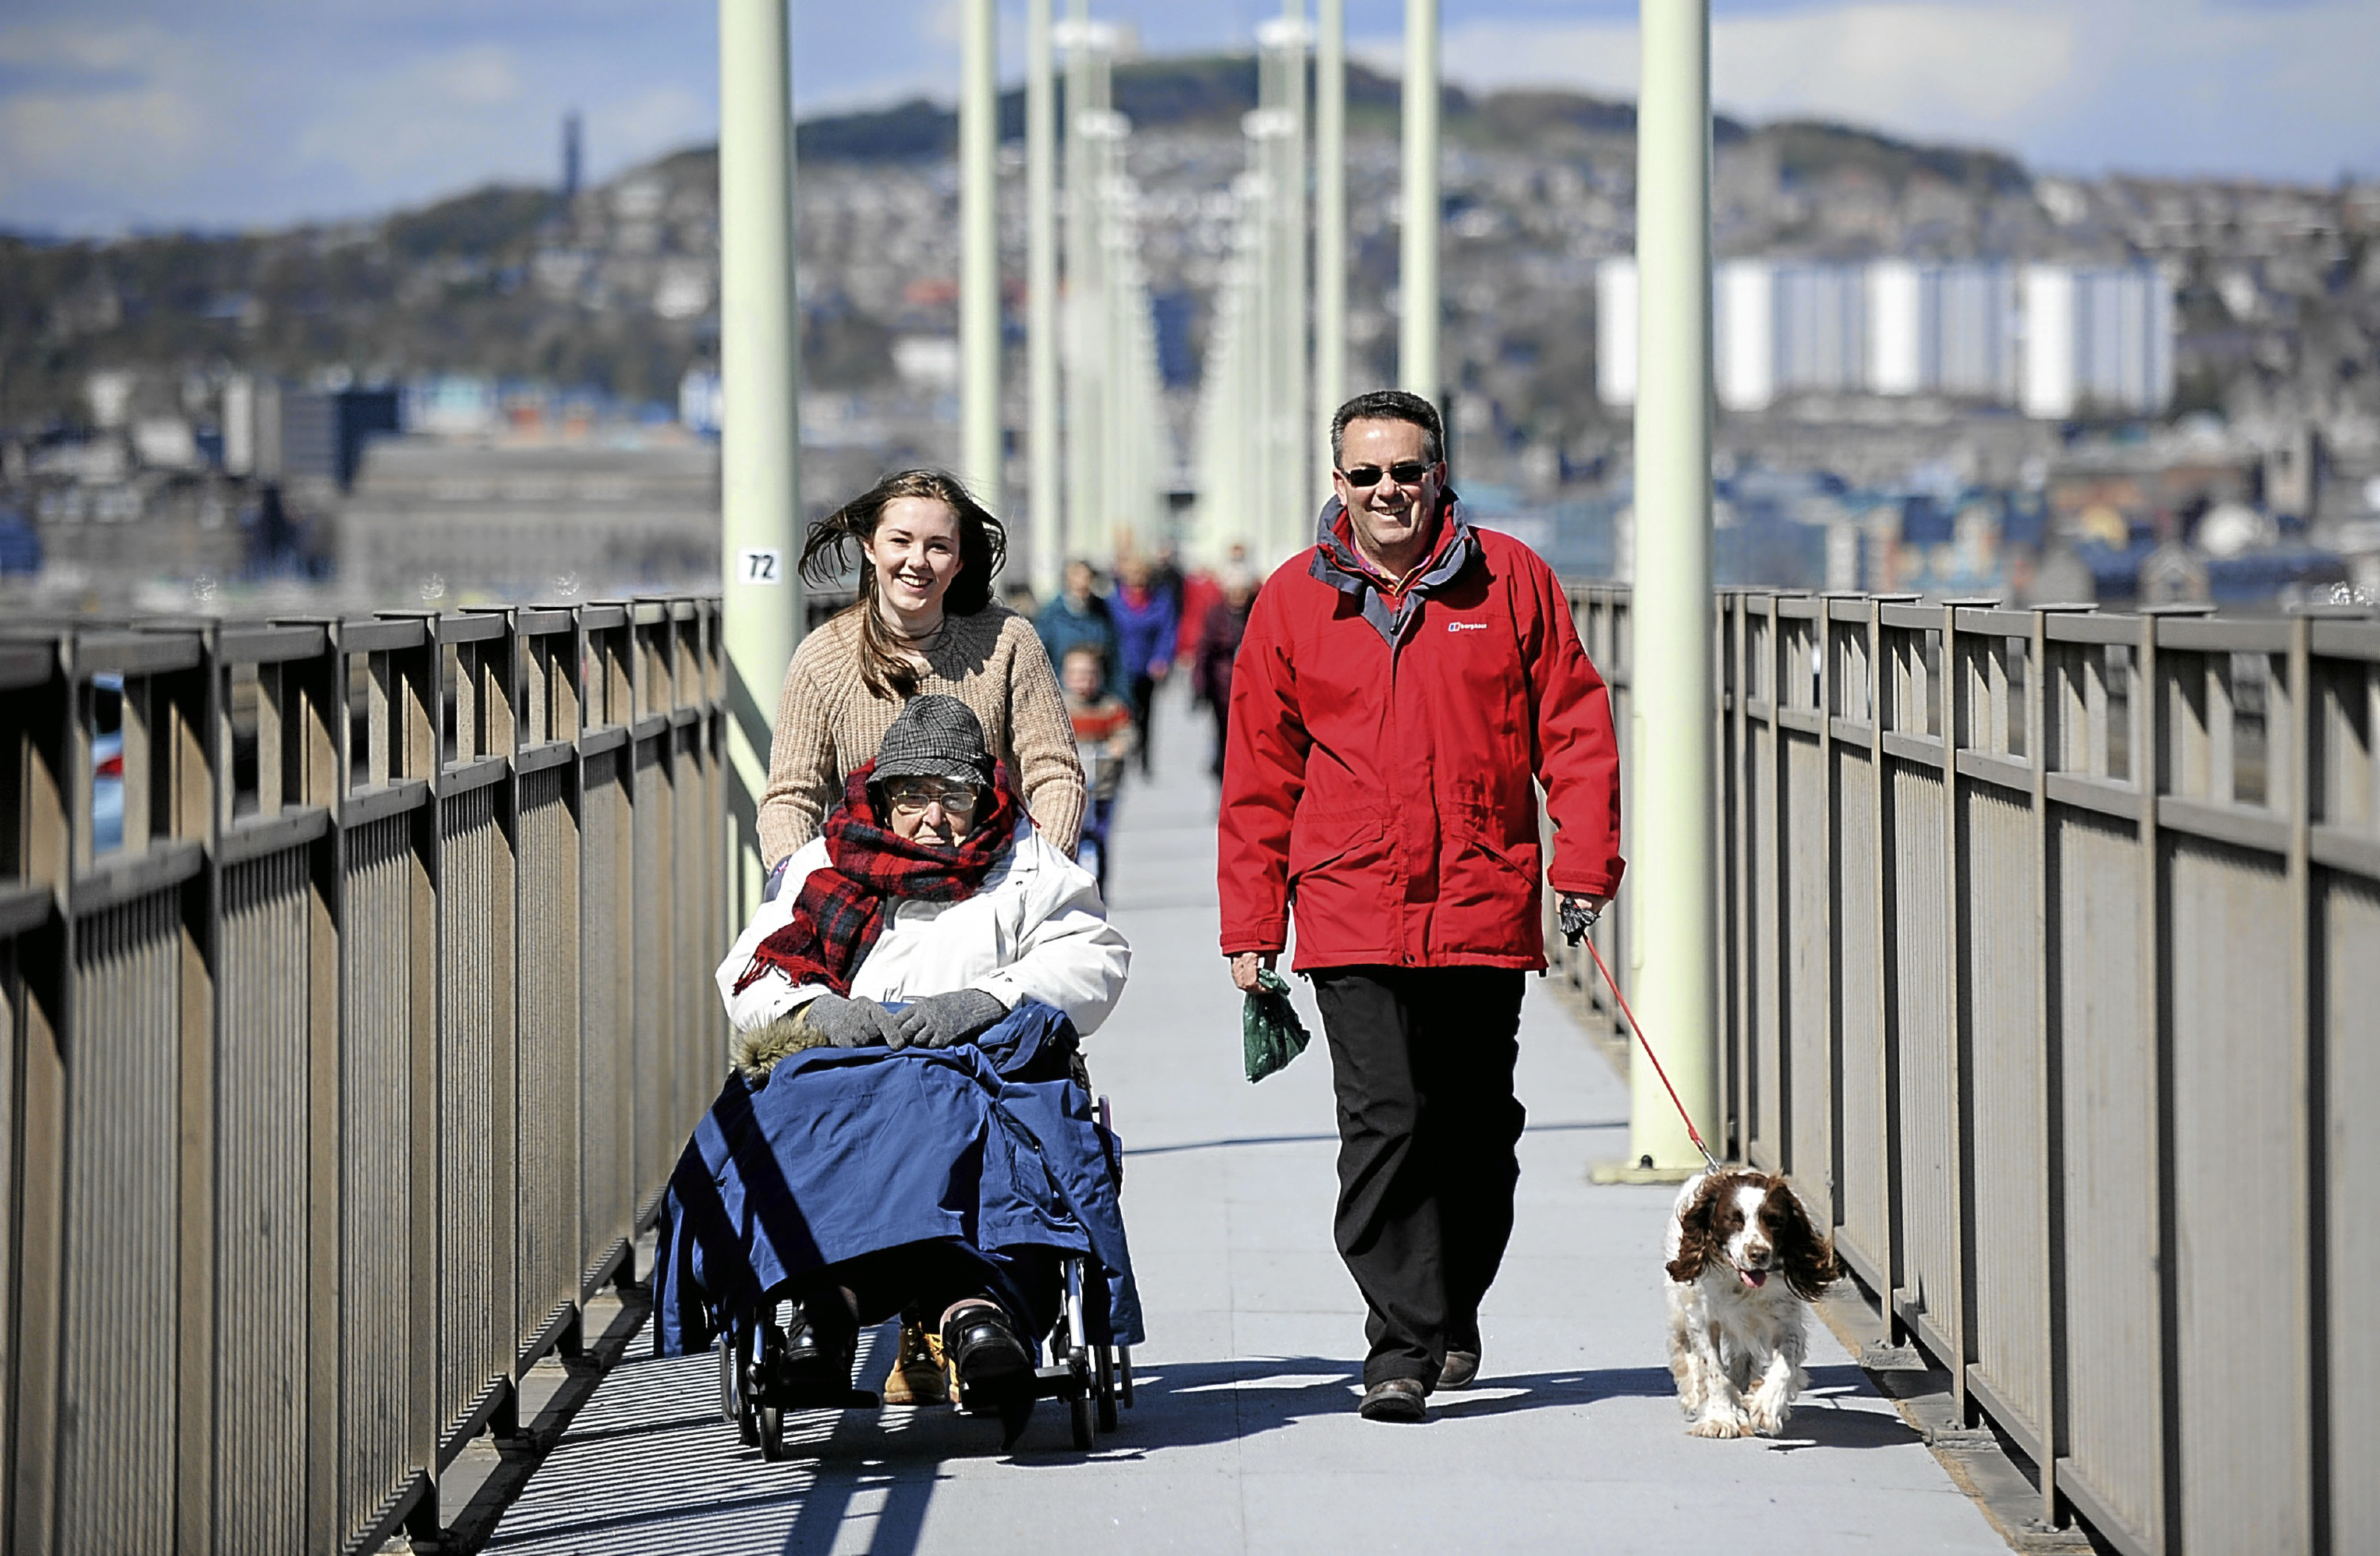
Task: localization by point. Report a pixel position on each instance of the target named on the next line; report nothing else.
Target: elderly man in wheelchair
(908, 1128)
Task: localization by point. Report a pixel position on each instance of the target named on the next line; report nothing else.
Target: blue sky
(119, 114)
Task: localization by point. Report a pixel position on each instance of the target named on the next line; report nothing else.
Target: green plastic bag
(1269, 1031)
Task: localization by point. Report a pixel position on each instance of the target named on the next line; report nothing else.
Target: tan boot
(917, 1375)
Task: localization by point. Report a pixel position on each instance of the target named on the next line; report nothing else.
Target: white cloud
(2147, 85)
(422, 118)
(1896, 63)
(659, 116)
(1965, 66)
(96, 105)
(218, 112)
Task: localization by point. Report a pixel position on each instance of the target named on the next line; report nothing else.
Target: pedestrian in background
(1104, 739)
(1146, 623)
(1080, 615)
(1220, 633)
(1168, 578)
(1402, 685)
(1199, 592)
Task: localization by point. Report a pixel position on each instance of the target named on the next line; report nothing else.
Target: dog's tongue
(1755, 1279)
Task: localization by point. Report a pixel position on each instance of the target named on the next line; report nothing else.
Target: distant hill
(615, 288)
(1212, 92)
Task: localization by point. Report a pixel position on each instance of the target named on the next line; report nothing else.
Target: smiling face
(1396, 522)
(915, 554)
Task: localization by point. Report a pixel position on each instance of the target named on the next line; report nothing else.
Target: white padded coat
(1034, 931)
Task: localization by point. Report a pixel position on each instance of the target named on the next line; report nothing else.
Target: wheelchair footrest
(819, 1399)
(1059, 1382)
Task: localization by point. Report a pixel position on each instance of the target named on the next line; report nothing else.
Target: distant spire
(570, 155)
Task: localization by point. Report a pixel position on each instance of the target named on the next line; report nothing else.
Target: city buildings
(2054, 341)
(440, 520)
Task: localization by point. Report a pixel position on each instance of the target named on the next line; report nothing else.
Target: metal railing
(338, 1084)
(2051, 967)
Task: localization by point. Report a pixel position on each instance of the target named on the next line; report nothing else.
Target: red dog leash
(1613, 984)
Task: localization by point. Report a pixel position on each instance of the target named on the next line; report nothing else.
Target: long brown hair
(884, 662)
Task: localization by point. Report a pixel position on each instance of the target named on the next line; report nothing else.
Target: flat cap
(935, 737)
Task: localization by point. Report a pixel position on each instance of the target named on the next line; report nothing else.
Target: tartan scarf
(841, 909)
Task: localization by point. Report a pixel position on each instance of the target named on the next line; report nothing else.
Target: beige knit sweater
(828, 722)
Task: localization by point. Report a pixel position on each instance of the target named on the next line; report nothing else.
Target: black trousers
(1144, 707)
(1422, 1062)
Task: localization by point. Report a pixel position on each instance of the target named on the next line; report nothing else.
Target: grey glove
(851, 1023)
(942, 1020)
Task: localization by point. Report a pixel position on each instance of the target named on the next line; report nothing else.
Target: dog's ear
(1803, 1251)
(1697, 1243)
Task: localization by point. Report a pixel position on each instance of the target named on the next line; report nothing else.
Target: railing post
(45, 815)
(1950, 695)
(2289, 749)
(1890, 1258)
(189, 734)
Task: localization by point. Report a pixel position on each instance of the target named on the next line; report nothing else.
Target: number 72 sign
(763, 565)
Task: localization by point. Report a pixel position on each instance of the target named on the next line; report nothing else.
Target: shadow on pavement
(882, 1470)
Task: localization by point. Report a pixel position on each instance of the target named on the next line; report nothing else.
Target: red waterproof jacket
(1381, 749)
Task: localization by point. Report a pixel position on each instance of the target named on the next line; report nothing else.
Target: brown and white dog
(1745, 1264)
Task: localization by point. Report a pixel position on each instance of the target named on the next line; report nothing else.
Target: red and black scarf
(841, 909)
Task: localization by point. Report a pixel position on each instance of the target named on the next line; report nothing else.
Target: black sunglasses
(1404, 472)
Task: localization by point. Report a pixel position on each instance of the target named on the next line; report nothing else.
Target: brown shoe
(917, 1375)
(1394, 1399)
(1459, 1368)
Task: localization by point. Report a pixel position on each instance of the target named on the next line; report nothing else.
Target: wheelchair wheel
(1123, 1374)
(1078, 1412)
(765, 1423)
(1104, 1379)
(747, 1420)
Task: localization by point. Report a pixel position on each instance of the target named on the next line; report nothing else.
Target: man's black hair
(1390, 404)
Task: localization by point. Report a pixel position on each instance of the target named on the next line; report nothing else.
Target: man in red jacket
(1401, 688)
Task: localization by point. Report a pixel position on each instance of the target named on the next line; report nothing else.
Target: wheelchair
(1093, 1377)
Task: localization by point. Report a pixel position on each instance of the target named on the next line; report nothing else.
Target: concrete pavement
(1246, 1437)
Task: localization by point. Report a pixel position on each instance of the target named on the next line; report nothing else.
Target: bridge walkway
(1246, 1438)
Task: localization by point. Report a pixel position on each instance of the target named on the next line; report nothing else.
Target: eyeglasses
(916, 793)
(1404, 472)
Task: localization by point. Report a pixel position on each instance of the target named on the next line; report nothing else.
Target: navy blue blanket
(844, 1152)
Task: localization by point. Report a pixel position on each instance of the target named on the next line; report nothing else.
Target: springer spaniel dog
(1745, 1264)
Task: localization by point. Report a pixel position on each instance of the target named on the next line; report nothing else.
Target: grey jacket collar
(1336, 563)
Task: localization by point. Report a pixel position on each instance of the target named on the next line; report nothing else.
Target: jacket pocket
(1489, 882)
(1321, 838)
